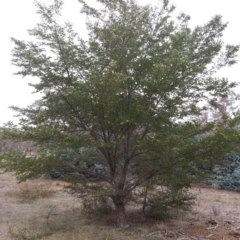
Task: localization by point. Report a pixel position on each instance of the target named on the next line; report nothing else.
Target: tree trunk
(145, 200)
(120, 211)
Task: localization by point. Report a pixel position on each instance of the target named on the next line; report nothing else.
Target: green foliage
(227, 174)
(164, 203)
(84, 162)
(95, 207)
(131, 91)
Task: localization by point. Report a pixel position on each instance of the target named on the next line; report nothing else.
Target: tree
(218, 109)
(128, 93)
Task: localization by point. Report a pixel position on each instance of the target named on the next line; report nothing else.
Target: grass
(25, 234)
(72, 226)
(29, 192)
(52, 214)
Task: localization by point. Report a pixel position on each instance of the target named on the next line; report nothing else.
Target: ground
(41, 209)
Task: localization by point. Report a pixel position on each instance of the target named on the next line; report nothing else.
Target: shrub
(227, 175)
(96, 206)
(164, 203)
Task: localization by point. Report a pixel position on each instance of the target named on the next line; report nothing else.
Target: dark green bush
(227, 175)
(163, 204)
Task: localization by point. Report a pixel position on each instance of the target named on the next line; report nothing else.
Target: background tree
(128, 93)
(218, 109)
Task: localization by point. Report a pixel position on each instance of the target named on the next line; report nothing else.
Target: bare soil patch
(51, 213)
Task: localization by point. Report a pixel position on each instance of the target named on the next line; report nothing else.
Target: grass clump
(30, 192)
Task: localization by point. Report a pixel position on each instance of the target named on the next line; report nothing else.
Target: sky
(18, 16)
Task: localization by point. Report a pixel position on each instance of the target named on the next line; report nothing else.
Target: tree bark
(120, 211)
(145, 200)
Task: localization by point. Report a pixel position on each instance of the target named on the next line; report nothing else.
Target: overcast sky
(17, 16)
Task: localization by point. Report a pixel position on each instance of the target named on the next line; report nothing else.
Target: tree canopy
(130, 94)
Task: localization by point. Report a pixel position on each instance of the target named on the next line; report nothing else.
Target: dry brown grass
(52, 214)
(28, 192)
